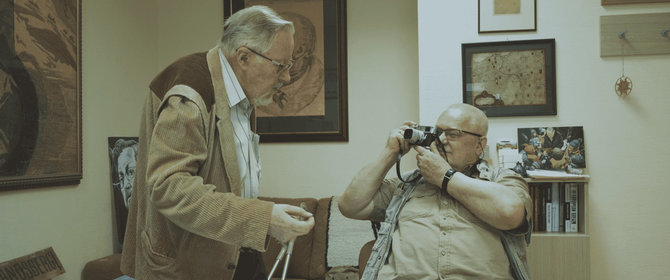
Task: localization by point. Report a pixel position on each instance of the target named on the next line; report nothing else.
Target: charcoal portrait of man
(122, 157)
(304, 94)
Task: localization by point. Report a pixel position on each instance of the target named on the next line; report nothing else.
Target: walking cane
(287, 248)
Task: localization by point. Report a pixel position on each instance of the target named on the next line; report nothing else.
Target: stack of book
(556, 206)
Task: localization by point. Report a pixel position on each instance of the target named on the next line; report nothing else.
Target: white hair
(255, 27)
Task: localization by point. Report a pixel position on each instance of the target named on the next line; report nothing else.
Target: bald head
(464, 150)
(469, 117)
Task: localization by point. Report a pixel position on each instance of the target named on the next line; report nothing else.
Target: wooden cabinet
(560, 255)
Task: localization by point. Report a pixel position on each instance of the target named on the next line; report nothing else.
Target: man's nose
(285, 76)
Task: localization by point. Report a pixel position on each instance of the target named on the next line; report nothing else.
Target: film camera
(421, 135)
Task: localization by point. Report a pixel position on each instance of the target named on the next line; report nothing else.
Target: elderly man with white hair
(194, 213)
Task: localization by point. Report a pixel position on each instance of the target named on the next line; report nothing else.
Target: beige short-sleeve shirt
(438, 238)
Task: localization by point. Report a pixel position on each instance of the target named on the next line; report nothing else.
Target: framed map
(510, 78)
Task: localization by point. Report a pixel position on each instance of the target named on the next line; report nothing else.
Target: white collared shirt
(246, 141)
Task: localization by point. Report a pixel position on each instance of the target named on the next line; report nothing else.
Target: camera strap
(397, 171)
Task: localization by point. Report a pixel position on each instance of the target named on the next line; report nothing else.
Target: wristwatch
(447, 177)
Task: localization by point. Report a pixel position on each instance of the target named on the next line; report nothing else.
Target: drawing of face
(305, 40)
(8, 114)
(126, 173)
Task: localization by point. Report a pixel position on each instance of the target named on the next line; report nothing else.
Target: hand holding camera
(428, 159)
(431, 164)
(420, 135)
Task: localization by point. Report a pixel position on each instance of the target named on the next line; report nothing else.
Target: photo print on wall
(552, 148)
(122, 158)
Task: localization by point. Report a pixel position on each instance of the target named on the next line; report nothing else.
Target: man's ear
(242, 57)
(481, 144)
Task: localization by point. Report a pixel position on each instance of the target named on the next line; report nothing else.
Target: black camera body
(421, 135)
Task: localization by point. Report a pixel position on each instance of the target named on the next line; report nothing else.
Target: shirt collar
(236, 95)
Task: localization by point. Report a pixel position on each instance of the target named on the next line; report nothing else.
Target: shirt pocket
(423, 202)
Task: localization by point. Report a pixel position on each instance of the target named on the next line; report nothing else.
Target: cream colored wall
(624, 137)
(126, 42)
(186, 27)
(118, 58)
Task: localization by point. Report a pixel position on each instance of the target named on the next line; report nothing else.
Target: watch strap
(447, 177)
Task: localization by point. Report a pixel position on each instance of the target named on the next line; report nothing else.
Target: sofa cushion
(103, 268)
(299, 265)
(317, 265)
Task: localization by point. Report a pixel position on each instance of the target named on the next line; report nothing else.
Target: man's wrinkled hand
(289, 222)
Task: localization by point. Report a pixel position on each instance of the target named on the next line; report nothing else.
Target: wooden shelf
(559, 256)
(562, 255)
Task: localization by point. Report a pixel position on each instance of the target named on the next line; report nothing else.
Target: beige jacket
(186, 218)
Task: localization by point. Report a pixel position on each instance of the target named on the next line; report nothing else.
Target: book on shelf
(555, 206)
(573, 191)
(565, 221)
(549, 216)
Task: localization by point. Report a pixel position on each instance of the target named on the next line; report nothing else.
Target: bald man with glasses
(195, 212)
(455, 217)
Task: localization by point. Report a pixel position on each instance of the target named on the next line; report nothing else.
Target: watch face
(450, 173)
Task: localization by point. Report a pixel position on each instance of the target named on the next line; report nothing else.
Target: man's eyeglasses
(280, 66)
(453, 134)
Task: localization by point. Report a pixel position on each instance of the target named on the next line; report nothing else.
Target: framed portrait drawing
(510, 78)
(40, 103)
(312, 106)
(506, 15)
(122, 159)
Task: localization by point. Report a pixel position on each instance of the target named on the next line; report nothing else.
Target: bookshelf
(560, 254)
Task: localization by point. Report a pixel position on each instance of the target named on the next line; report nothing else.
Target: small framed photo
(552, 148)
(510, 78)
(507, 15)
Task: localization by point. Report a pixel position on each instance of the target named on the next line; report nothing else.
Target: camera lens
(414, 136)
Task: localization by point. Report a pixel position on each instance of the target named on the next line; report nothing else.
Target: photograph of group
(552, 148)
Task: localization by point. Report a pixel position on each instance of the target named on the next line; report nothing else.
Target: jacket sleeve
(177, 151)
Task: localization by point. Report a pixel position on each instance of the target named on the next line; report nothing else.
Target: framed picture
(510, 78)
(552, 148)
(40, 103)
(507, 15)
(313, 105)
(617, 2)
(122, 158)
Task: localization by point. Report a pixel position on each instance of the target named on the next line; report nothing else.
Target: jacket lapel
(223, 124)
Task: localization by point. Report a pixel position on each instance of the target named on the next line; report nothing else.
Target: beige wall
(126, 42)
(625, 137)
